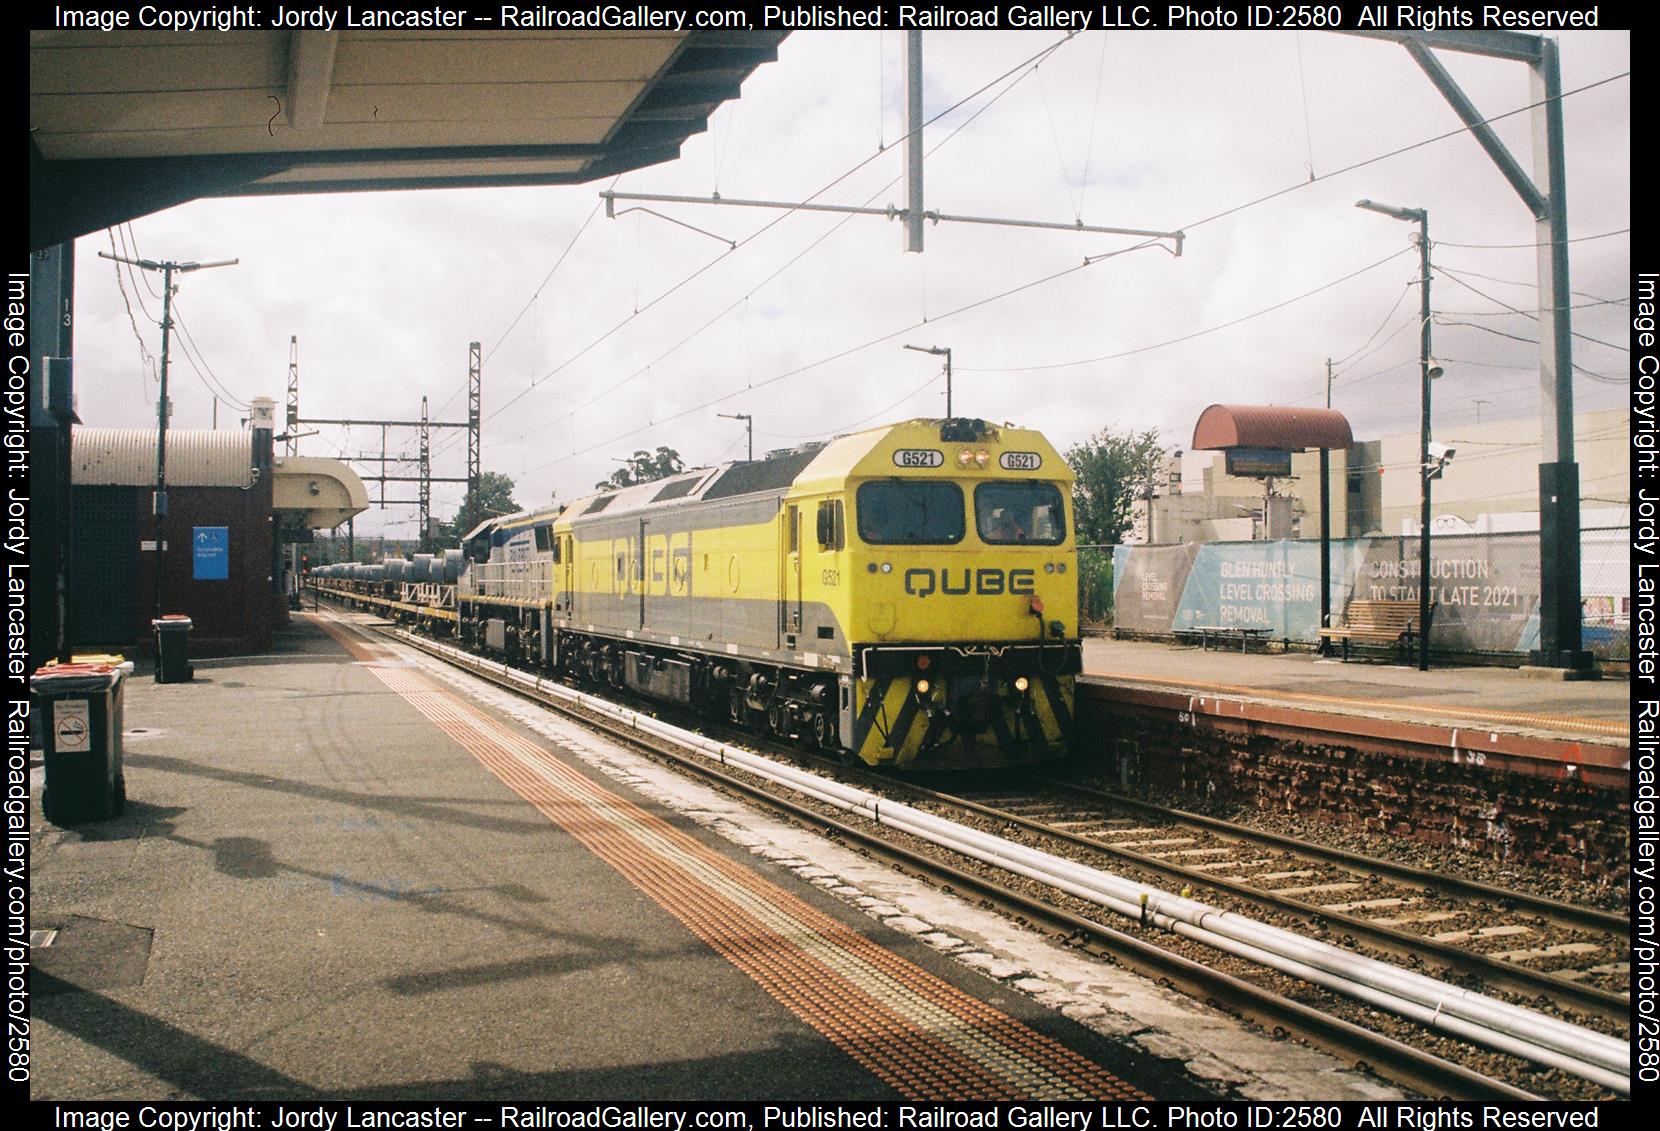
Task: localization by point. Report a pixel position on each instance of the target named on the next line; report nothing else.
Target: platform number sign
(210, 553)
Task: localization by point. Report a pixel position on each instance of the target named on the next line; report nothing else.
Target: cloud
(386, 290)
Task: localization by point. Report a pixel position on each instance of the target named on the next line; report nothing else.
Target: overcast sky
(1145, 130)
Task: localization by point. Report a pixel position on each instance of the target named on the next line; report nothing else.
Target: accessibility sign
(211, 553)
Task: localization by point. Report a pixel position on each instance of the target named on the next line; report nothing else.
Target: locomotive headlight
(964, 458)
(982, 457)
(922, 687)
(1021, 683)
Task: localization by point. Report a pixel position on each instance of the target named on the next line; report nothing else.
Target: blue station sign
(210, 553)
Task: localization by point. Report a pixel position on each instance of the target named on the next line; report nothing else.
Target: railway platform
(1500, 698)
(343, 874)
(1482, 758)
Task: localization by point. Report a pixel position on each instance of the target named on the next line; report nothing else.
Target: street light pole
(945, 352)
(168, 269)
(1420, 217)
(749, 428)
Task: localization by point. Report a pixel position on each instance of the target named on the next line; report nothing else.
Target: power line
(1185, 337)
(1032, 60)
(1504, 246)
(825, 360)
(757, 287)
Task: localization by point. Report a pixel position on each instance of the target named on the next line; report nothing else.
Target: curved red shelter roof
(1224, 426)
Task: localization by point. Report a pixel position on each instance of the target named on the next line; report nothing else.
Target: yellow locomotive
(906, 593)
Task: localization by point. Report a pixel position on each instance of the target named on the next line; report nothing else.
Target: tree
(1113, 469)
(495, 496)
(643, 467)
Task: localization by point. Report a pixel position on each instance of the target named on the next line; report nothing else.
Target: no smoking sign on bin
(73, 727)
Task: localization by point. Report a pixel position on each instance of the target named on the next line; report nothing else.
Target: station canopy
(124, 123)
(1270, 427)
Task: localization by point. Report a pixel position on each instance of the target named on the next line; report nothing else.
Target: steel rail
(1401, 1062)
(1566, 913)
(1495, 972)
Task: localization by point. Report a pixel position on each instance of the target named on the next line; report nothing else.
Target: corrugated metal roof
(126, 457)
(1224, 426)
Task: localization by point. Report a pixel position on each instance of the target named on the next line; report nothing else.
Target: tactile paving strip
(922, 1036)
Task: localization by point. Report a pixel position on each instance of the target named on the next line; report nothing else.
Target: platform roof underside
(122, 124)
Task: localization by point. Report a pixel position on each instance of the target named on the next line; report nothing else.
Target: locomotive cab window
(832, 526)
(1019, 513)
(910, 512)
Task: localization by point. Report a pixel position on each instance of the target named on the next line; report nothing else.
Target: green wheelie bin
(81, 705)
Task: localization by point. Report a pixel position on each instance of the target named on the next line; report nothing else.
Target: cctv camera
(1440, 452)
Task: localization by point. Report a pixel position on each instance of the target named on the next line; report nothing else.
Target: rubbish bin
(81, 706)
(173, 648)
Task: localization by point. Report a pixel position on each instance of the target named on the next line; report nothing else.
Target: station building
(219, 553)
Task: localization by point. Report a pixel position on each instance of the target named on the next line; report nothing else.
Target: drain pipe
(1473, 1017)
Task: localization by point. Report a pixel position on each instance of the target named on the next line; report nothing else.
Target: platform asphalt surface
(1501, 698)
(319, 889)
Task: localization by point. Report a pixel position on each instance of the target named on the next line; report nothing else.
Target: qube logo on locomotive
(921, 582)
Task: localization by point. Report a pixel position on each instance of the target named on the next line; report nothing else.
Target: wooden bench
(1380, 623)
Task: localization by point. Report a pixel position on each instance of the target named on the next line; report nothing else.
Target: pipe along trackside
(1461, 1013)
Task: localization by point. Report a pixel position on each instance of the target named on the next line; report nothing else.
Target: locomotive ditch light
(922, 687)
(1021, 683)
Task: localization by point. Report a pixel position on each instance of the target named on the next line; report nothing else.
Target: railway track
(1271, 1006)
(1493, 939)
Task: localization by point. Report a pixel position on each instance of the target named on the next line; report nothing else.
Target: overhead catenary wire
(1247, 204)
(1185, 337)
(848, 352)
(755, 288)
(745, 241)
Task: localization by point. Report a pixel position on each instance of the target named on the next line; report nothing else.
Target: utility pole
(475, 391)
(1426, 373)
(293, 419)
(168, 269)
(426, 482)
(913, 142)
(945, 352)
(749, 428)
(1325, 523)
